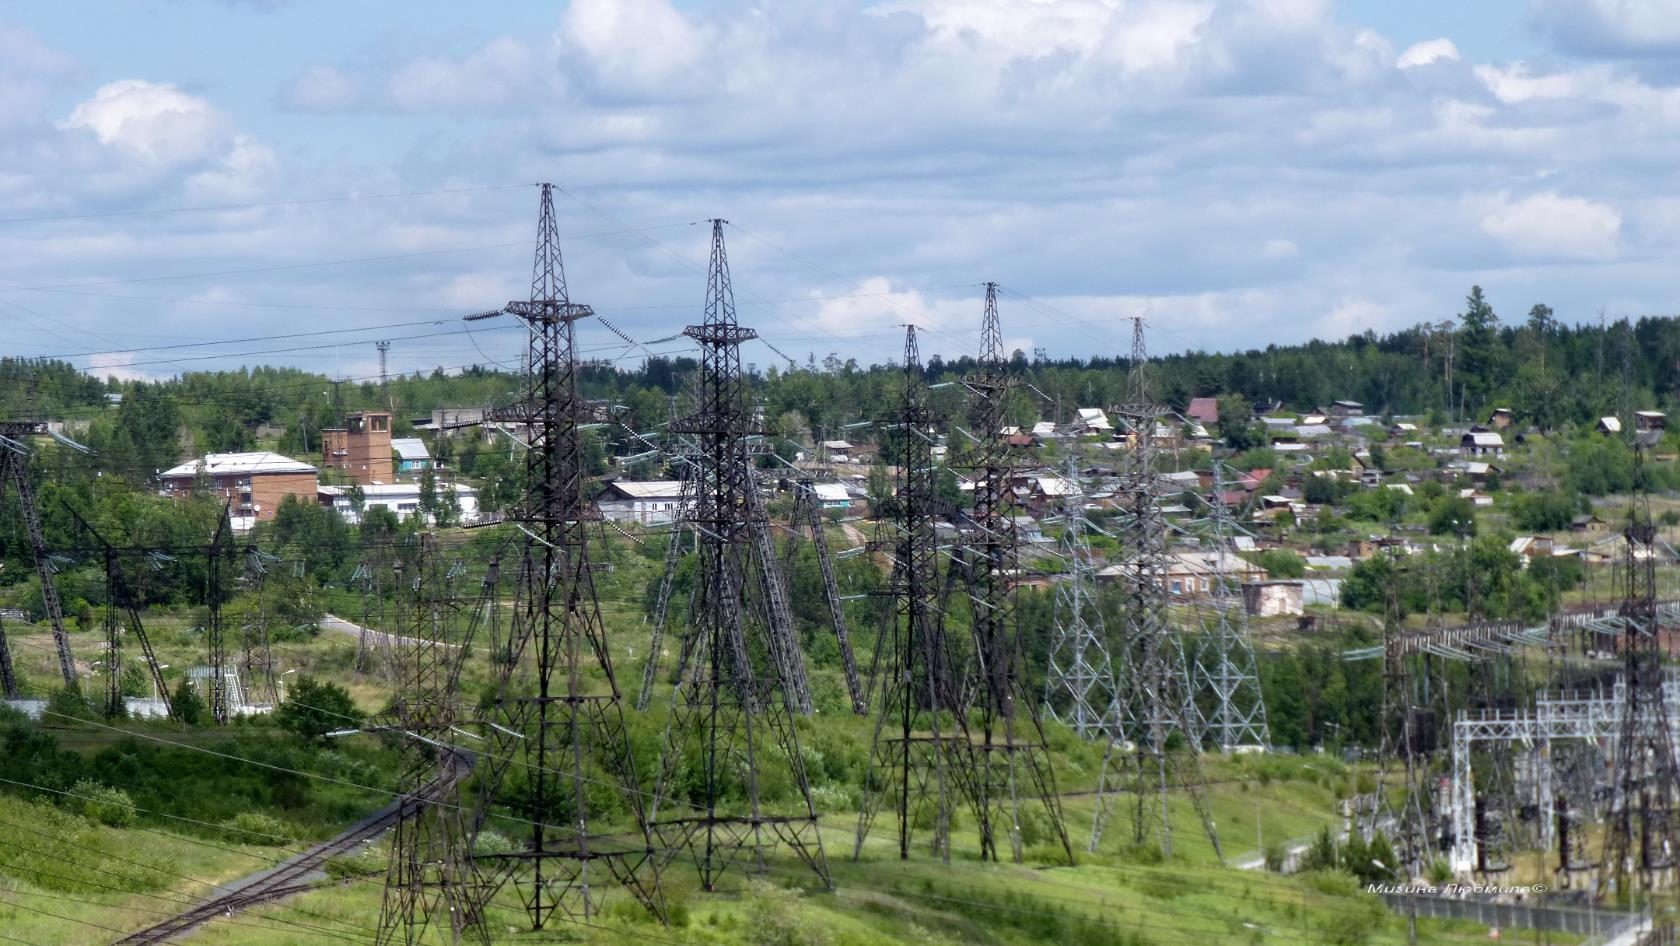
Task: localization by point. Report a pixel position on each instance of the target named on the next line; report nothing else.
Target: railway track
(289, 877)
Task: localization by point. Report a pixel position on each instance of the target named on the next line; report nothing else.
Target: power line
(305, 201)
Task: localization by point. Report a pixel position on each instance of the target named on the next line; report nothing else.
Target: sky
(194, 184)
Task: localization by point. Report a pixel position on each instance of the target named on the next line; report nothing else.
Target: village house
(1274, 598)
(412, 457)
(1649, 420)
(1501, 418)
(1345, 409)
(1485, 443)
(1609, 425)
(1203, 410)
(252, 484)
(1091, 421)
(648, 503)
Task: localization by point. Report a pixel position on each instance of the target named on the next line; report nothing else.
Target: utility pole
(737, 689)
(384, 347)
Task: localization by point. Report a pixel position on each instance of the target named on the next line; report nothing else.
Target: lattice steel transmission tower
(807, 515)
(557, 727)
(732, 711)
(1642, 837)
(1154, 697)
(217, 590)
(1011, 755)
(1079, 689)
(14, 471)
(1225, 674)
(921, 753)
(431, 879)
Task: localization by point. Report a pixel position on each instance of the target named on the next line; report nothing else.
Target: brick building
(361, 449)
(252, 483)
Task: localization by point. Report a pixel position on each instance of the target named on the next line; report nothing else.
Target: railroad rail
(287, 878)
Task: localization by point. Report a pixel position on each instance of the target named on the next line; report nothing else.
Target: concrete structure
(252, 483)
(1274, 598)
(650, 503)
(361, 449)
(412, 456)
(400, 498)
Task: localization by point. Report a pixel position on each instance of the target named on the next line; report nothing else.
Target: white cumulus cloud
(1426, 52)
(154, 122)
(1550, 225)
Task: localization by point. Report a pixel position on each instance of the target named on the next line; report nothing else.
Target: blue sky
(1236, 171)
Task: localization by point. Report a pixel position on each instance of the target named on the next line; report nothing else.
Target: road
(333, 622)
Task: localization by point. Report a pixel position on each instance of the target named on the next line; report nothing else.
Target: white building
(400, 498)
(650, 503)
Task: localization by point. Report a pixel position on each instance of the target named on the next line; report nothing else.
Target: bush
(774, 919)
(108, 806)
(313, 709)
(253, 827)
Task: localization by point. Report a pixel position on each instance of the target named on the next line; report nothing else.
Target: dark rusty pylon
(216, 593)
(734, 698)
(557, 728)
(14, 470)
(1642, 837)
(1011, 756)
(921, 753)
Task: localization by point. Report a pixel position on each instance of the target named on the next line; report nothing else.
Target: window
(407, 507)
(381, 423)
(1177, 587)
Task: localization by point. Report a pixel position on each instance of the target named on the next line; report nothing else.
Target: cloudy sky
(179, 172)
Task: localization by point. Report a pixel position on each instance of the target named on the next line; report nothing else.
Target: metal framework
(1080, 687)
(1153, 693)
(807, 514)
(216, 589)
(1591, 719)
(557, 727)
(1642, 839)
(120, 604)
(1225, 676)
(14, 470)
(1011, 757)
(921, 753)
(431, 877)
(736, 693)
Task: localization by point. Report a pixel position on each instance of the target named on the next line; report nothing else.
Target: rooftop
(232, 464)
(410, 448)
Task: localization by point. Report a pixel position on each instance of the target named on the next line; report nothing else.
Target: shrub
(774, 919)
(108, 806)
(254, 827)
